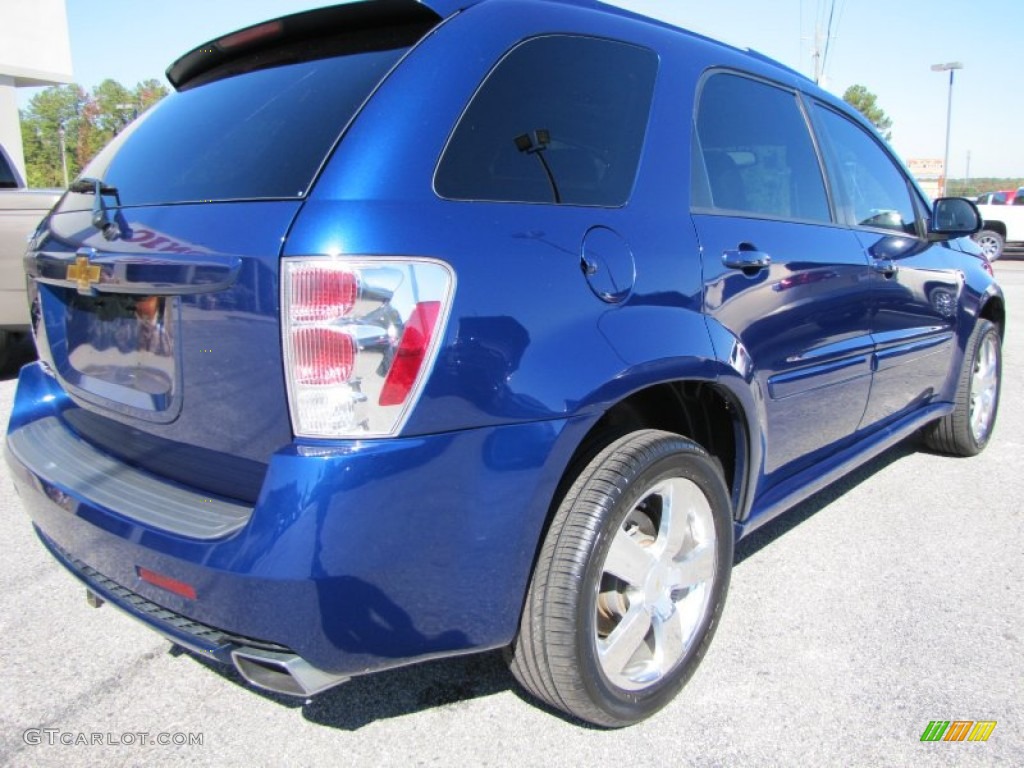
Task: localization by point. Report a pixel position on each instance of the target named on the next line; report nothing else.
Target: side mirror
(953, 217)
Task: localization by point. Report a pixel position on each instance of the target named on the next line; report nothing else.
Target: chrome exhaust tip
(283, 672)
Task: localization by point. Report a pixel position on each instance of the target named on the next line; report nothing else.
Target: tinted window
(262, 134)
(560, 119)
(6, 174)
(754, 152)
(872, 190)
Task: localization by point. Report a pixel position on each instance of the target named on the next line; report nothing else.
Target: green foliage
(89, 121)
(865, 102)
(58, 106)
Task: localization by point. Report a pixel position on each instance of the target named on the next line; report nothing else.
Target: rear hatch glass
(254, 136)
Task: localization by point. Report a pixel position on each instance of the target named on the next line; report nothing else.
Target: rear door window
(754, 153)
(561, 119)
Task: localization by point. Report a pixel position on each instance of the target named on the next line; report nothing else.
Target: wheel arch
(994, 310)
(704, 410)
(699, 410)
(995, 226)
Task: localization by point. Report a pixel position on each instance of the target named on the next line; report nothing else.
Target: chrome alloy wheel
(656, 584)
(984, 388)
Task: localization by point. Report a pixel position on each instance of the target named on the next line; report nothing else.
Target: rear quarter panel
(527, 338)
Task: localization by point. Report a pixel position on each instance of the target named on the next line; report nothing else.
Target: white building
(35, 50)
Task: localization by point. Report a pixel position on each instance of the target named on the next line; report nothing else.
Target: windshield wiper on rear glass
(100, 214)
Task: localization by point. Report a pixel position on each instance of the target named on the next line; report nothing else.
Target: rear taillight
(322, 294)
(360, 336)
(322, 356)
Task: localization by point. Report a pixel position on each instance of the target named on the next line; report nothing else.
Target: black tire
(15, 351)
(967, 430)
(627, 496)
(991, 242)
(9, 343)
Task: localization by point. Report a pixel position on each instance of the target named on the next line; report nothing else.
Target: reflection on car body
(541, 307)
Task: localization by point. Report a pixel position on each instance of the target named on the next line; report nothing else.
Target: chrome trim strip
(140, 274)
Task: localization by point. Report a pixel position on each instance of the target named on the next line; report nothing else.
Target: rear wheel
(630, 582)
(991, 242)
(966, 431)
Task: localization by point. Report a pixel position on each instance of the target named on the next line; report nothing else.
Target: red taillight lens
(322, 294)
(322, 356)
(411, 352)
(251, 35)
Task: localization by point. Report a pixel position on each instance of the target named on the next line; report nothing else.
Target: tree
(61, 106)
(148, 93)
(865, 102)
(89, 122)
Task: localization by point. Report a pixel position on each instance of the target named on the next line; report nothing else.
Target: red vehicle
(1002, 197)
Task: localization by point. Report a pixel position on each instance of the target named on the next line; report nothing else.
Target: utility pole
(63, 151)
(816, 55)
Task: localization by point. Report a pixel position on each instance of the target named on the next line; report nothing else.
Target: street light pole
(950, 67)
(63, 152)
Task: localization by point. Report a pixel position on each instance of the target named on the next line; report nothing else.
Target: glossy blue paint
(208, 349)
(804, 320)
(914, 324)
(366, 554)
(358, 555)
(834, 464)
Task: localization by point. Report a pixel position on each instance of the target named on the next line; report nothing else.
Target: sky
(886, 45)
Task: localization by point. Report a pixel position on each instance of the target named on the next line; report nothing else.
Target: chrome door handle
(744, 259)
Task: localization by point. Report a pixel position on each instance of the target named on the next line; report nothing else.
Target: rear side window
(7, 180)
(560, 119)
(262, 134)
(754, 152)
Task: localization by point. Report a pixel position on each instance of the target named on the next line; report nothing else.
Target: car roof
(375, 13)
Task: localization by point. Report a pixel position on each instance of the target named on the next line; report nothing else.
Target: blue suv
(405, 330)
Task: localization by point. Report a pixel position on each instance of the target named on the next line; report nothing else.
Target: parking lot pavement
(885, 602)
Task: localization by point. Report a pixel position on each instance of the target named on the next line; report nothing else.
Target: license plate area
(119, 351)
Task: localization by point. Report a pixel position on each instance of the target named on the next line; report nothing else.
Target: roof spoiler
(302, 36)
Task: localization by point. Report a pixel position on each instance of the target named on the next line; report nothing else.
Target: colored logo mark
(83, 273)
(958, 730)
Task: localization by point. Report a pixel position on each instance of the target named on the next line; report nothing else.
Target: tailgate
(168, 338)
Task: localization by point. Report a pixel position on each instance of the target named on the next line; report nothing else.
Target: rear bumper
(357, 557)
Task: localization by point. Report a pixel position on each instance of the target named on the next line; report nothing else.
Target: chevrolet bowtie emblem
(84, 274)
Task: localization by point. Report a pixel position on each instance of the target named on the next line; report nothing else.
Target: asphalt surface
(887, 601)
